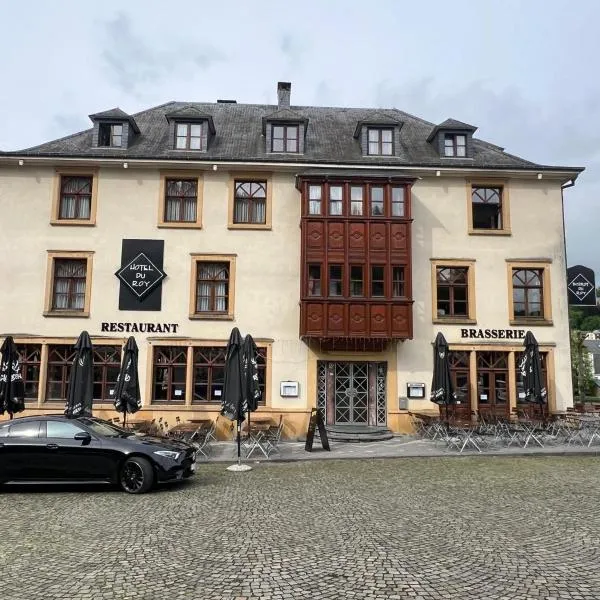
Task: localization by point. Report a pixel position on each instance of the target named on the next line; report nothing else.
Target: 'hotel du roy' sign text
(141, 275)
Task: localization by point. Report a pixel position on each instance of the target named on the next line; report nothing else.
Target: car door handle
(52, 446)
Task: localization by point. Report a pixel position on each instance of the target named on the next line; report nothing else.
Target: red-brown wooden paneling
(315, 239)
(379, 320)
(357, 319)
(335, 236)
(336, 322)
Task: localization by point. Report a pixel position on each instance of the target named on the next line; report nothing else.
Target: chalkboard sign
(581, 286)
(316, 420)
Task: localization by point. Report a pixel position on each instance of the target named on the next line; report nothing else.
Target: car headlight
(168, 454)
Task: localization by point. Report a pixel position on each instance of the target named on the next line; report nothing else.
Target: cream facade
(267, 282)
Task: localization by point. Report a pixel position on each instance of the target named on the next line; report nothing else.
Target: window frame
(111, 135)
(453, 137)
(188, 136)
(57, 192)
(162, 199)
(285, 126)
(242, 177)
(212, 258)
(503, 184)
(543, 265)
(53, 255)
(464, 263)
(380, 142)
(190, 345)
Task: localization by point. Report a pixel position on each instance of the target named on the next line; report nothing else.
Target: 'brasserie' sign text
(493, 334)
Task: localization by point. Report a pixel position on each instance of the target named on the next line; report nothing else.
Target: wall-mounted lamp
(21, 163)
(125, 165)
(214, 167)
(539, 175)
(438, 173)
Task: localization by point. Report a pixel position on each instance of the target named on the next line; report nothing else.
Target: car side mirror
(83, 436)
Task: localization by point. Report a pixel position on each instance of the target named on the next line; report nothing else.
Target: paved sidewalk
(401, 446)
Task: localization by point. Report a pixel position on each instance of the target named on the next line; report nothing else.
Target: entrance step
(358, 433)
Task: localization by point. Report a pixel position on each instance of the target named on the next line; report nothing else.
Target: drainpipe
(563, 187)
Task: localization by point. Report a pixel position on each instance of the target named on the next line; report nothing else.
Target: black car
(54, 449)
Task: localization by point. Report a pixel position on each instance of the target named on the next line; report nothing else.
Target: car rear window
(28, 429)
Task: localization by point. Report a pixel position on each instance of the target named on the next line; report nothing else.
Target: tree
(582, 373)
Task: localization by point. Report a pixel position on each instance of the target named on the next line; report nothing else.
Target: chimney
(284, 91)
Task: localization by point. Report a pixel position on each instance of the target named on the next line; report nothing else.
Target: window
(397, 202)
(335, 200)
(314, 199)
(488, 209)
(68, 284)
(250, 199)
(377, 205)
(356, 200)
(169, 374)
(209, 374)
(529, 293)
(213, 286)
(455, 145)
(460, 375)
(203, 366)
(453, 285)
(452, 291)
(30, 357)
(336, 280)
(189, 136)
(110, 135)
(314, 280)
(284, 138)
(60, 359)
(250, 202)
(74, 198)
(28, 429)
(377, 281)
(356, 281)
(380, 142)
(180, 201)
(398, 283)
(62, 430)
(107, 362)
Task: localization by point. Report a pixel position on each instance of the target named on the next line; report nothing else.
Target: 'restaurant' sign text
(118, 327)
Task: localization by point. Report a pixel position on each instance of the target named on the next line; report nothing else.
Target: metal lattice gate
(352, 392)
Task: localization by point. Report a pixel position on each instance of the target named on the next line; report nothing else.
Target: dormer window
(285, 138)
(455, 145)
(110, 135)
(381, 141)
(189, 136)
(113, 129)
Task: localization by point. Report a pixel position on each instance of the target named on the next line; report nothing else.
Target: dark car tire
(136, 476)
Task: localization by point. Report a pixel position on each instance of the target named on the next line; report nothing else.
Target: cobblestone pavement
(424, 528)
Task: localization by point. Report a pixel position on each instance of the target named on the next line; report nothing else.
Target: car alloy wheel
(137, 475)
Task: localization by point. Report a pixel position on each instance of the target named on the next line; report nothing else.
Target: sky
(523, 71)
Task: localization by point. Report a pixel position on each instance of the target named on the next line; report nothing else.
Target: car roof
(37, 418)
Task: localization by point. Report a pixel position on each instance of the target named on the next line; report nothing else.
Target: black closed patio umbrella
(442, 391)
(127, 391)
(251, 385)
(12, 388)
(531, 372)
(80, 392)
(234, 402)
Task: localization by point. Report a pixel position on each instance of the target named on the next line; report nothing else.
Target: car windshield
(104, 428)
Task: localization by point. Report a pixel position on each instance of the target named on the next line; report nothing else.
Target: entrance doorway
(352, 393)
(492, 383)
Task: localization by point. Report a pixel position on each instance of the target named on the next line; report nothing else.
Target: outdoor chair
(273, 435)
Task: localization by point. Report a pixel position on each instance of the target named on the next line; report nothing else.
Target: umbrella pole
(124, 418)
(239, 441)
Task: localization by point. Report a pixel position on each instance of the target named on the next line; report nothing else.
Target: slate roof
(239, 137)
(115, 114)
(593, 346)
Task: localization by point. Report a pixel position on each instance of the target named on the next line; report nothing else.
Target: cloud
(132, 63)
(563, 129)
(292, 49)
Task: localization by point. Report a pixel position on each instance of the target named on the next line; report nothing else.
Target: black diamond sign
(580, 287)
(141, 275)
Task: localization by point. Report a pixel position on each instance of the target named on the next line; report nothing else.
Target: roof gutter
(568, 173)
